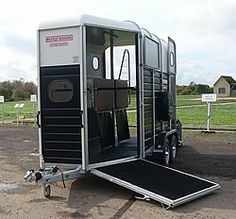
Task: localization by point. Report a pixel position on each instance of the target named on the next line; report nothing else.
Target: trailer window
(172, 59)
(151, 53)
(60, 91)
(95, 63)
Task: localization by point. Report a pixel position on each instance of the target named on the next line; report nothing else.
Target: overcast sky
(204, 31)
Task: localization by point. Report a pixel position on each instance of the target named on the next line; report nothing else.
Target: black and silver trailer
(107, 102)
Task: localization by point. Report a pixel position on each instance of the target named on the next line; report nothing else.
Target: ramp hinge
(143, 197)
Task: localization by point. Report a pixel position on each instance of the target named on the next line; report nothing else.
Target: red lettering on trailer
(59, 38)
(58, 44)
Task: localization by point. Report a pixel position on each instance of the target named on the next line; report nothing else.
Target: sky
(204, 31)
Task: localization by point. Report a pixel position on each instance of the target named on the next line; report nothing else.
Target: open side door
(171, 56)
(165, 185)
(172, 70)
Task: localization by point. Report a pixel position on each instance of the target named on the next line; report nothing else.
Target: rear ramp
(165, 185)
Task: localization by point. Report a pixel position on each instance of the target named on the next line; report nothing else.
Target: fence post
(3, 111)
(208, 98)
(17, 116)
(208, 115)
(34, 114)
(33, 98)
(2, 102)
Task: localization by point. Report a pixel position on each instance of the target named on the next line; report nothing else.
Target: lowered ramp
(165, 185)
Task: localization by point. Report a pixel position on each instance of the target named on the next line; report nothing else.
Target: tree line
(193, 89)
(17, 89)
(20, 89)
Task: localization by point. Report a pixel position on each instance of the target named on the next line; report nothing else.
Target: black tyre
(166, 153)
(164, 157)
(47, 191)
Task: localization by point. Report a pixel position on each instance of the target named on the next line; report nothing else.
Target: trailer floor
(156, 178)
(124, 149)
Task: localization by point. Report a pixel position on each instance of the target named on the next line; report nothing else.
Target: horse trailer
(107, 106)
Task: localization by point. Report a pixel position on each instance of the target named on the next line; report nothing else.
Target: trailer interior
(112, 98)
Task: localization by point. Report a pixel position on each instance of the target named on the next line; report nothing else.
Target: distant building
(225, 86)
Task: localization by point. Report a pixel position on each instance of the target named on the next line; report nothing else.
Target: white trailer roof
(90, 21)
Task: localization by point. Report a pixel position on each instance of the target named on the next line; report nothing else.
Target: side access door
(172, 67)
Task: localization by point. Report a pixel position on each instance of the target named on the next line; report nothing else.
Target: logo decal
(58, 41)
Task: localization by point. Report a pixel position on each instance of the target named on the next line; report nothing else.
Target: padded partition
(104, 94)
(122, 125)
(121, 94)
(106, 129)
(110, 94)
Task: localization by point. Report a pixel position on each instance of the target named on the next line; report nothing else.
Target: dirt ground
(212, 156)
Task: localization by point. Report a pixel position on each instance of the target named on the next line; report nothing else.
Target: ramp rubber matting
(156, 178)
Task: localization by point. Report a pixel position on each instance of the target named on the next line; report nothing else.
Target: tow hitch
(50, 175)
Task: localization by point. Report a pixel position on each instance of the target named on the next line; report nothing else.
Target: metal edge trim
(113, 162)
(64, 165)
(109, 27)
(195, 195)
(68, 64)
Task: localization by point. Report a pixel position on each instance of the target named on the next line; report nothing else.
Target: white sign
(59, 46)
(1, 99)
(21, 105)
(33, 98)
(208, 97)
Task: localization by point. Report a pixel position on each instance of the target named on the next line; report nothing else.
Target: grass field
(193, 112)
(190, 110)
(187, 100)
(222, 112)
(10, 112)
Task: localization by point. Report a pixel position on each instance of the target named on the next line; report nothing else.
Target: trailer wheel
(164, 157)
(47, 191)
(173, 148)
(166, 153)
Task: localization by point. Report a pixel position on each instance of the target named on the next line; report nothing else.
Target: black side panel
(148, 107)
(154, 81)
(163, 106)
(158, 87)
(156, 178)
(106, 129)
(61, 117)
(122, 125)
